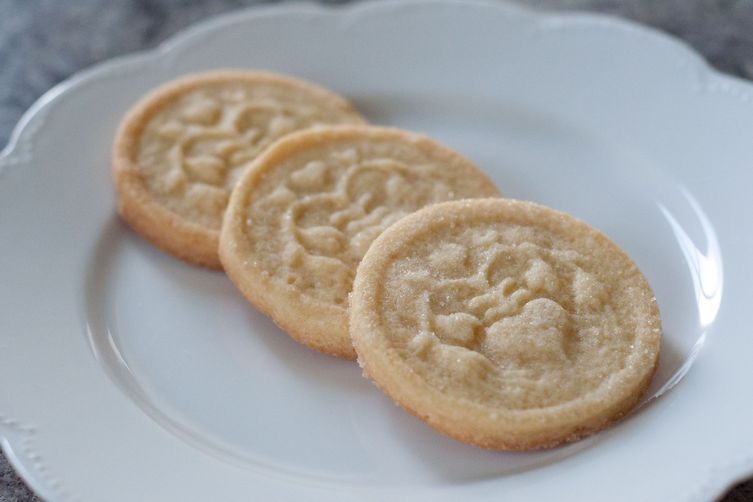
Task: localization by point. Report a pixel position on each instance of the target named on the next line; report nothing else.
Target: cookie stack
(501, 323)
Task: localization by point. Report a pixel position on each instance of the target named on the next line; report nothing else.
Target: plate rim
(17, 152)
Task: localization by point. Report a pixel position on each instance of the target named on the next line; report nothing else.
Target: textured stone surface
(44, 41)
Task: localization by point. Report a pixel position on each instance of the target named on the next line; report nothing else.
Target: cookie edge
(232, 232)
(392, 382)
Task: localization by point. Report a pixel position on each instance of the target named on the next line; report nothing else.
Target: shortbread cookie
(180, 150)
(307, 210)
(504, 324)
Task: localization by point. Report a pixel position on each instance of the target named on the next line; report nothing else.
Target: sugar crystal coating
(508, 307)
(315, 214)
(308, 210)
(193, 148)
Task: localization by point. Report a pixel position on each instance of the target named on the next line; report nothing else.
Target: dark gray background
(44, 41)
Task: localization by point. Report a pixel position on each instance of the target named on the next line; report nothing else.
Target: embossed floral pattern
(313, 218)
(497, 303)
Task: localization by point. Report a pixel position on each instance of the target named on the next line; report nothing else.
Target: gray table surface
(44, 41)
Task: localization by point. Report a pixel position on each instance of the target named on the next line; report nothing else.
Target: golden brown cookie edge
(163, 228)
(258, 289)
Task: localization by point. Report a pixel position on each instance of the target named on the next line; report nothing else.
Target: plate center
(185, 346)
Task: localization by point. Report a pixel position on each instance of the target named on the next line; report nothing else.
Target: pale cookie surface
(504, 324)
(305, 213)
(179, 151)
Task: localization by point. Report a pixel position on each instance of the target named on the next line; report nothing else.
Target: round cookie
(504, 324)
(179, 151)
(306, 211)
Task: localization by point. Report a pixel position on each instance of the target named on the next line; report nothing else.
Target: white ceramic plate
(127, 375)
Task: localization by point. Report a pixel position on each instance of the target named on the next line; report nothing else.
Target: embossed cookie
(504, 324)
(304, 214)
(180, 150)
